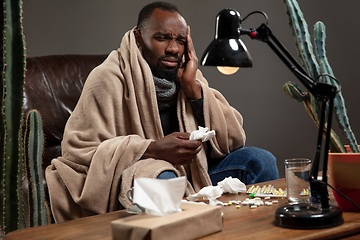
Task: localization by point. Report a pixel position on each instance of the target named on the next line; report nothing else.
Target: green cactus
(299, 29)
(316, 65)
(13, 74)
(339, 102)
(292, 90)
(34, 146)
(11, 169)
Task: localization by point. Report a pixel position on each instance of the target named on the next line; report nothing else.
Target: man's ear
(137, 37)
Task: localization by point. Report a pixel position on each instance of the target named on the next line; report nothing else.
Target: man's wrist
(197, 107)
(194, 91)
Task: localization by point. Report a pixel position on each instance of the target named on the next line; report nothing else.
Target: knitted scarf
(166, 92)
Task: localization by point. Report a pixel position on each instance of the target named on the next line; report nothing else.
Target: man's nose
(173, 47)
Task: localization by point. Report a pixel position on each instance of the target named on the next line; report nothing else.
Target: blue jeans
(249, 164)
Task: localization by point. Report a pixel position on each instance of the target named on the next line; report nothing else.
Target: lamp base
(305, 216)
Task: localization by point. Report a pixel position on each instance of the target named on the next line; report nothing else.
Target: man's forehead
(166, 22)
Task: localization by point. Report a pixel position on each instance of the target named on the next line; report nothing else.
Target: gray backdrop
(271, 120)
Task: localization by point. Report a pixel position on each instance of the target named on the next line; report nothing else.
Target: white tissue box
(195, 221)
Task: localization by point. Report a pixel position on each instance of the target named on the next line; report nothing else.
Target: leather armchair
(53, 85)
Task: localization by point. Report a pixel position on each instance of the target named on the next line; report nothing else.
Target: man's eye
(160, 38)
(182, 42)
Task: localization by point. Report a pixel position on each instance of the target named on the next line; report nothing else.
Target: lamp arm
(323, 92)
(264, 34)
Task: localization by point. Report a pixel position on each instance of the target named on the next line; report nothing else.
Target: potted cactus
(39, 212)
(344, 161)
(11, 151)
(13, 74)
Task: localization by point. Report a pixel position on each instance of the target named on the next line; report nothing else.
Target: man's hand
(187, 72)
(175, 148)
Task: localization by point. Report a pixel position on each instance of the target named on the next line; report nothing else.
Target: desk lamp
(227, 52)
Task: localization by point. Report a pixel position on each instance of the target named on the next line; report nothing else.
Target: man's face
(163, 41)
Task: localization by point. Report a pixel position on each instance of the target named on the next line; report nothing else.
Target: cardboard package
(194, 221)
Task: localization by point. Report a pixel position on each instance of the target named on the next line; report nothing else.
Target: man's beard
(169, 75)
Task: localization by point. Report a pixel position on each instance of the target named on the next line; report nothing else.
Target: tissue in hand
(202, 134)
(158, 196)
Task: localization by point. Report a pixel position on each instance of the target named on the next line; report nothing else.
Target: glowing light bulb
(227, 70)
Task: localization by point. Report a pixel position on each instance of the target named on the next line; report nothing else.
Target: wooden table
(244, 223)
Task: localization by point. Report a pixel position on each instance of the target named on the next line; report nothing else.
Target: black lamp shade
(227, 49)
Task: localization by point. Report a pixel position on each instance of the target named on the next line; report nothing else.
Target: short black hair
(148, 9)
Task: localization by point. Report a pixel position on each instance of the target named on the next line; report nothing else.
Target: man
(134, 118)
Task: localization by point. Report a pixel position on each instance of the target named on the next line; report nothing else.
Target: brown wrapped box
(195, 221)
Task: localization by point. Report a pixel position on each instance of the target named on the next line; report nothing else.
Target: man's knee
(260, 161)
(166, 175)
(254, 154)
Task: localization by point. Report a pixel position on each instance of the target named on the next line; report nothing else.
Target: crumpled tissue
(211, 193)
(232, 185)
(202, 134)
(158, 196)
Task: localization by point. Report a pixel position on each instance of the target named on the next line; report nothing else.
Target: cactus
(316, 65)
(13, 74)
(292, 90)
(339, 102)
(299, 29)
(34, 146)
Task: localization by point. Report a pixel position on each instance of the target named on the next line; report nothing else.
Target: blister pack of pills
(266, 191)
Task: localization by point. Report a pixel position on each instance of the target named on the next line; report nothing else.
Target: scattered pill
(256, 194)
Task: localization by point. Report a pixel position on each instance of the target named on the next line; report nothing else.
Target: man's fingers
(182, 135)
(190, 45)
(189, 152)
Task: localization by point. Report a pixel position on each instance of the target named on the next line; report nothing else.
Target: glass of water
(297, 171)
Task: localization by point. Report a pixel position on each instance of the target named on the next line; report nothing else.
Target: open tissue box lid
(194, 221)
